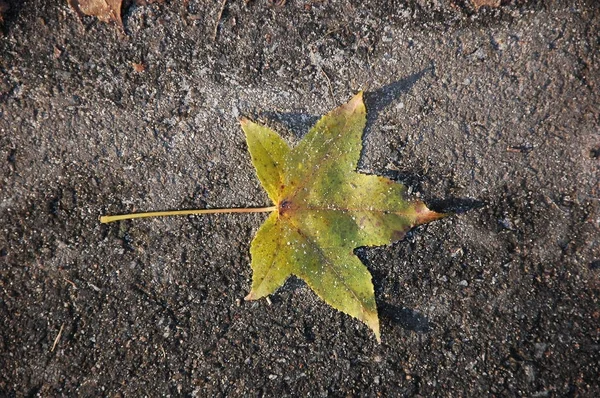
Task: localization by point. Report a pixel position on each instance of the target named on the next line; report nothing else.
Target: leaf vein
(312, 242)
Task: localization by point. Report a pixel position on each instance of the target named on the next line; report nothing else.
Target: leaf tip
(425, 215)
(251, 296)
(372, 321)
(356, 101)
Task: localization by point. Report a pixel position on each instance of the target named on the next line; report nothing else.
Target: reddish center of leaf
(285, 206)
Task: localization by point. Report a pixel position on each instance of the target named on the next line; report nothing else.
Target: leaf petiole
(107, 219)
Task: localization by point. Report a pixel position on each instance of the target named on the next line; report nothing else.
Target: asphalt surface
(491, 113)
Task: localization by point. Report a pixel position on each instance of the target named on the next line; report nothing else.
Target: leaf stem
(107, 219)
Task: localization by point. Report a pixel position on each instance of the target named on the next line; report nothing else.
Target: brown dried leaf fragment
(3, 8)
(138, 67)
(105, 10)
(57, 52)
(490, 3)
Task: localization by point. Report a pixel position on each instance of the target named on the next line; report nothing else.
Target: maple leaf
(324, 209)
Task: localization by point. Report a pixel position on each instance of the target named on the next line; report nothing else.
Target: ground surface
(495, 111)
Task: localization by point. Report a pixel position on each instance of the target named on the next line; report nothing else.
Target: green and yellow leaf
(324, 210)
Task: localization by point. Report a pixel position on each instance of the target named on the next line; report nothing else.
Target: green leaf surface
(324, 210)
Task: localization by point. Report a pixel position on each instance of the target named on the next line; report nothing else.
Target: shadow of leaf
(404, 317)
(455, 205)
(376, 101)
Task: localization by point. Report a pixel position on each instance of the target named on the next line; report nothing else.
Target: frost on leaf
(325, 209)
